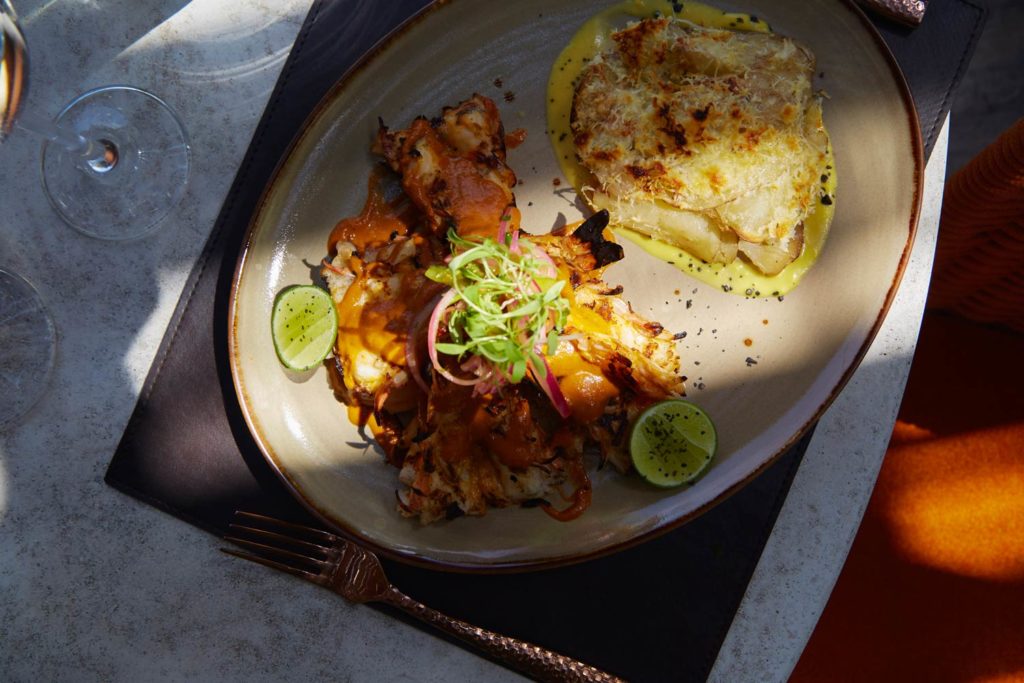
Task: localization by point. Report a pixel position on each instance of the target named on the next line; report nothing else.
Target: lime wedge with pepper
(672, 442)
(304, 325)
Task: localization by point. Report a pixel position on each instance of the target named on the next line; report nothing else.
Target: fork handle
(907, 12)
(530, 659)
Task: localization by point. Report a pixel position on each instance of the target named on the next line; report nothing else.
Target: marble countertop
(95, 585)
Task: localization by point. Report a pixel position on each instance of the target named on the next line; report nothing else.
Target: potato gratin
(486, 362)
(705, 138)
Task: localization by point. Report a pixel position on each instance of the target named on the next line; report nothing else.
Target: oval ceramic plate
(763, 396)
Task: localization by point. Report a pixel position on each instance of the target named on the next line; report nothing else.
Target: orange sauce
(583, 318)
(586, 389)
(474, 201)
(379, 219)
(471, 429)
(457, 401)
(380, 325)
(515, 445)
(477, 203)
(359, 415)
(580, 499)
(372, 324)
(515, 138)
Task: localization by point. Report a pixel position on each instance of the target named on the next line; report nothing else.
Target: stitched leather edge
(961, 67)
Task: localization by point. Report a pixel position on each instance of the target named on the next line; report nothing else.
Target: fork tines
(293, 548)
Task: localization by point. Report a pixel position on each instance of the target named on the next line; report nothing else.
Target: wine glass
(115, 161)
(28, 337)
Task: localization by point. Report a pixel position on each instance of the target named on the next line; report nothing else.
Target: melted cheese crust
(705, 138)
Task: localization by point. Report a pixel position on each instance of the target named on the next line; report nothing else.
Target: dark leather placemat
(655, 612)
(934, 57)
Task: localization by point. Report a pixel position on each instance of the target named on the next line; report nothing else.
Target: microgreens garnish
(504, 308)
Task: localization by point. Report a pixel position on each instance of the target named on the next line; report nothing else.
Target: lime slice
(304, 325)
(672, 443)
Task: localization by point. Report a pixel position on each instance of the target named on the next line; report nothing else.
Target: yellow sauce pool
(594, 37)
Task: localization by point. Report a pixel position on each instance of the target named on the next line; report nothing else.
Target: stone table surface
(95, 585)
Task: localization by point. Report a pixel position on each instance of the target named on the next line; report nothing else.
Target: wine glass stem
(97, 154)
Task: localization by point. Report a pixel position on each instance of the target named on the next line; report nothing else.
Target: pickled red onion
(432, 329)
(550, 386)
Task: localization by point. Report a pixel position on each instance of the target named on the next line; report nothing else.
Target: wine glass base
(28, 338)
(128, 198)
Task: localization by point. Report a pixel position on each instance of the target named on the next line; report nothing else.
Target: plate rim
(504, 566)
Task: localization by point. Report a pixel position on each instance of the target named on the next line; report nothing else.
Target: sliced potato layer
(708, 139)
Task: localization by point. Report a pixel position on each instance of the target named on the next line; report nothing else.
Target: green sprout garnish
(511, 305)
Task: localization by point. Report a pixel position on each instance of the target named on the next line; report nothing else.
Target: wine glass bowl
(135, 172)
(28, 338)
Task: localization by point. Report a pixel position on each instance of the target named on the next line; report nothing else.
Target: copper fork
(356, 574)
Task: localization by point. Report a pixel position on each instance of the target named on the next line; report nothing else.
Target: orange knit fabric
(933, 589)
(979, 261)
